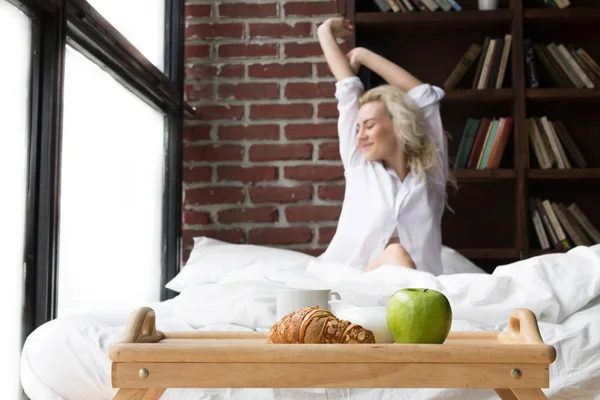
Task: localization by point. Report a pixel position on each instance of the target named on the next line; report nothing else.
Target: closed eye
(369, 124)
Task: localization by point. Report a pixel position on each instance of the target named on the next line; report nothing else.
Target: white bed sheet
(67, 358)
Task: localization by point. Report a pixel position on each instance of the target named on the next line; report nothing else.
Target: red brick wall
(261, 162)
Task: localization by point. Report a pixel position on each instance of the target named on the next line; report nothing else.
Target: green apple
(417, 315)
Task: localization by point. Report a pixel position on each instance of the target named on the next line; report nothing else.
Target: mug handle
(335, 296)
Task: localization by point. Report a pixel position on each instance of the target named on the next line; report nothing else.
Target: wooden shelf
(479, 95)
(483, 175)
(540, 252)
(461, 19)
(570, 94)
(573, 173)
(561, 16)
(498, 254)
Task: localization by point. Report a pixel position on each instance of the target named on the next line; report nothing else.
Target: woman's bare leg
(394, 254)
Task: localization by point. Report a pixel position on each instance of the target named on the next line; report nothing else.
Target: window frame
(56, 23)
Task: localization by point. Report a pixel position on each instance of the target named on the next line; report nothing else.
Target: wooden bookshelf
(569, 16)
(464, 19)
(557, 174)
(483, 175)
(491, 224)
(498, 254)
(539, 252)
(559, 94)
(484, 95)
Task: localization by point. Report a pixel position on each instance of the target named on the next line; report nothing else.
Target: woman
(394, 152)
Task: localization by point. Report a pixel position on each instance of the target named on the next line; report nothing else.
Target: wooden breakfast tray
(146, 362)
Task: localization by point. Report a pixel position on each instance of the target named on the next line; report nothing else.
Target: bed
(226, 287)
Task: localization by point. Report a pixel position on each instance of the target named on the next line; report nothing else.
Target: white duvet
(67, 358)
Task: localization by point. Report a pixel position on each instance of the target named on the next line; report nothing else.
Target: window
(15, 45)
(140, 21)
(90, 155)
(111, 190)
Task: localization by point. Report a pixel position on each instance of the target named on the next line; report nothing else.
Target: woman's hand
(339, 27)
(355, 58)
(336, 60)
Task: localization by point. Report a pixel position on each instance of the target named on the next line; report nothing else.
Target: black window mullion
(172, 208)
(44, 167)
(31, 229)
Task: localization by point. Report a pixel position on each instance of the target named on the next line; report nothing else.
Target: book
(417, 5)
(487, 64)
(560, 226)
(500, 141)
(538, 225)
(555, 73)
(570, 226)
(383, 5)
(565, 66)
(530, 65)
(537, 144)
(484, 50)
(484, 125)
(504, 61)
(556, 226)
(585, 223)
(546, 222)
(552, 145)
(463, 66)
(570, 145)
(466, 143)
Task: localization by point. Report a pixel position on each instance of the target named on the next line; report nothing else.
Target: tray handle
(141, 327)
(522, 328)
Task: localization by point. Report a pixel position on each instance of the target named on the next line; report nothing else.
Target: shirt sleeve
(348, 92)
(428, 97)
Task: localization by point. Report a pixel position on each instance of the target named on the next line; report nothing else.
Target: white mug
(293, 299)
(488, 4)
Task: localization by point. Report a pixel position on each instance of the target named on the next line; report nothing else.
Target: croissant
(316, 325)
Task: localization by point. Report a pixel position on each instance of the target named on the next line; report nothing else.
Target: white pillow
(248, 304)
(213, 261)
(455, 263)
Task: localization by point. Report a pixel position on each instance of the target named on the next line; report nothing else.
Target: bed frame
(146, 362)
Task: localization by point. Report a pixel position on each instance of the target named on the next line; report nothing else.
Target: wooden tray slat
(258, 351)
(328, 375)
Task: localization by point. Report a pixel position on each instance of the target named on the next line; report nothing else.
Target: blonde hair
(409, 126)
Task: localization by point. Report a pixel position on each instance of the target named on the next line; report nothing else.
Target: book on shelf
(554, 3)
(559, 65)
(491, 59)
(483, 142)
(551, 143)
(561, 227)
(417, 5)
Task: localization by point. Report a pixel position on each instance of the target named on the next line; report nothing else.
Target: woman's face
(375, 136)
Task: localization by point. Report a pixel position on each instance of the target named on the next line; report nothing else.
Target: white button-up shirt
(377, 204)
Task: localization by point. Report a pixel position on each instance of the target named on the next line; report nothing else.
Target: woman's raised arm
(391, 72)
(338, 62)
